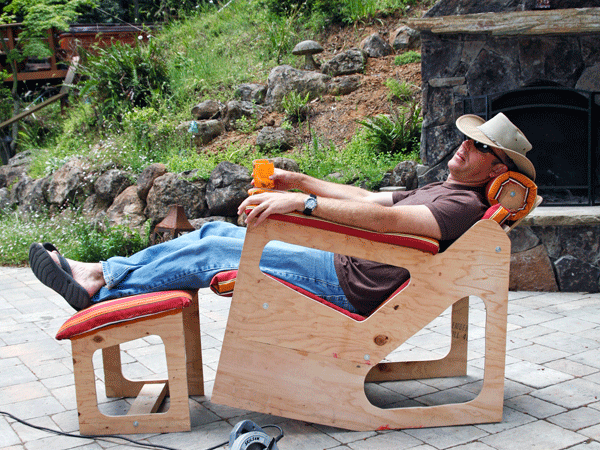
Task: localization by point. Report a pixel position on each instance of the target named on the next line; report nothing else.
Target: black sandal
(58, 278)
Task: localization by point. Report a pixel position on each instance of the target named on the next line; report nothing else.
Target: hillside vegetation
(127, 110)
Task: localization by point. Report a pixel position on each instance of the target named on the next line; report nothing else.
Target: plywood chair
(171, 315)
(288, 355)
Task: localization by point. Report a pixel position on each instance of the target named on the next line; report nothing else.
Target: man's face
(473, 167)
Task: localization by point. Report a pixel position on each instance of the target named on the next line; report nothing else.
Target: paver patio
(551, 392)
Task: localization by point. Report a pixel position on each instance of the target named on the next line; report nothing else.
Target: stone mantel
(563, 216)
(516, 23)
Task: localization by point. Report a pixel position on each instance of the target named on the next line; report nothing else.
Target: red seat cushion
(223, 283)
(122, 310)
(497, 213)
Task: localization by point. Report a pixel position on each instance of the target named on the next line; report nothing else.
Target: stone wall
(557, 249)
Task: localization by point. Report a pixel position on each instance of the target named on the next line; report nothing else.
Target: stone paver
(552, 380)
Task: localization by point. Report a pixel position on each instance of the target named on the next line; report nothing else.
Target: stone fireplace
(538, 61)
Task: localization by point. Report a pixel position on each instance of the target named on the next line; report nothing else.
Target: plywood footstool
(170, 315)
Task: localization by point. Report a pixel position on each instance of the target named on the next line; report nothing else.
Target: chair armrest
(423, 243)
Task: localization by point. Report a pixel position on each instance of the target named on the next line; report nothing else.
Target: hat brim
(468, 124)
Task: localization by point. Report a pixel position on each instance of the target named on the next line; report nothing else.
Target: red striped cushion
(497, 213)
(121, 310)
(223, 283)
(354, 316)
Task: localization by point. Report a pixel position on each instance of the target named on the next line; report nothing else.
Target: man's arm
(362, 213)
(286, 181)
(412, 219)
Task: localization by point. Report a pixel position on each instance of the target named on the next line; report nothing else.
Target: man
(443, 211)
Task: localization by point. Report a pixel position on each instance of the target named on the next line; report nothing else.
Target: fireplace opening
(563, 125)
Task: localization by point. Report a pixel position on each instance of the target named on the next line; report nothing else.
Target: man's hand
(285, 180)
(269, 203)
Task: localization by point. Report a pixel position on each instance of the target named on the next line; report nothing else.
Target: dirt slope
(334, 118)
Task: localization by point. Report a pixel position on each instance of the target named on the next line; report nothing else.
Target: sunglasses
(483, 148)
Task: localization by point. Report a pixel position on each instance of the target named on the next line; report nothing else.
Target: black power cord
(105, 436)
(131, 441)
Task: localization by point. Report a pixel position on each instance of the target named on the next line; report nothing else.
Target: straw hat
(499, 132)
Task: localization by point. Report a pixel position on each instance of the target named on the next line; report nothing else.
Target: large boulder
(94, 209)
(405, 38)
(4, 198)
(127, 209)
(346, 63)
(147, 177)
(286, 164)
(209, 109)
(70, 184)
(240, 109)
(227, 187)
(285, 79)
(15, 170)
(376, 47)
(405, 174)
(207, 130)
(343, 85)
(275, 138)
(29, 194)
(182, 189)
(251, 92)
(111, 183)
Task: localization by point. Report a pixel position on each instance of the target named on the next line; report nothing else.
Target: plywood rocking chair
(288, 355)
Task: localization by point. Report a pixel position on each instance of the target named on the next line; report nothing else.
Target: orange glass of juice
(263, 169)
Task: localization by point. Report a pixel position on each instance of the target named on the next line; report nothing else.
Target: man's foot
(77, 282)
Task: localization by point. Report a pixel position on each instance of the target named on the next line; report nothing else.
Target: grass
(73, 235)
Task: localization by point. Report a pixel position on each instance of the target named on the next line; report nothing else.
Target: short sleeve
(457, 211)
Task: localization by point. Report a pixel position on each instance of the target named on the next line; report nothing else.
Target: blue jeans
(191, 261)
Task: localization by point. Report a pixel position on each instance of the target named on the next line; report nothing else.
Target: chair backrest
(512, 196)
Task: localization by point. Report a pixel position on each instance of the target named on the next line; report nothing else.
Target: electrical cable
(278, 438)
(109, 436)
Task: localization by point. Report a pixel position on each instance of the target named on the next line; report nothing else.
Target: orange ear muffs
(514, 191)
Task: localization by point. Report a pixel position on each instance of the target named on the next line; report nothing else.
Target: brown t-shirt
(455, 207)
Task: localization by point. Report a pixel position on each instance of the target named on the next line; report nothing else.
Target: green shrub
(95, 244)
(395, 133)
(121, 76)
(73, 235)
(147, 129)
(402, 91)
(18, 232)
(282, 33)
(295, 106)
(356, 163)
(408, 57)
